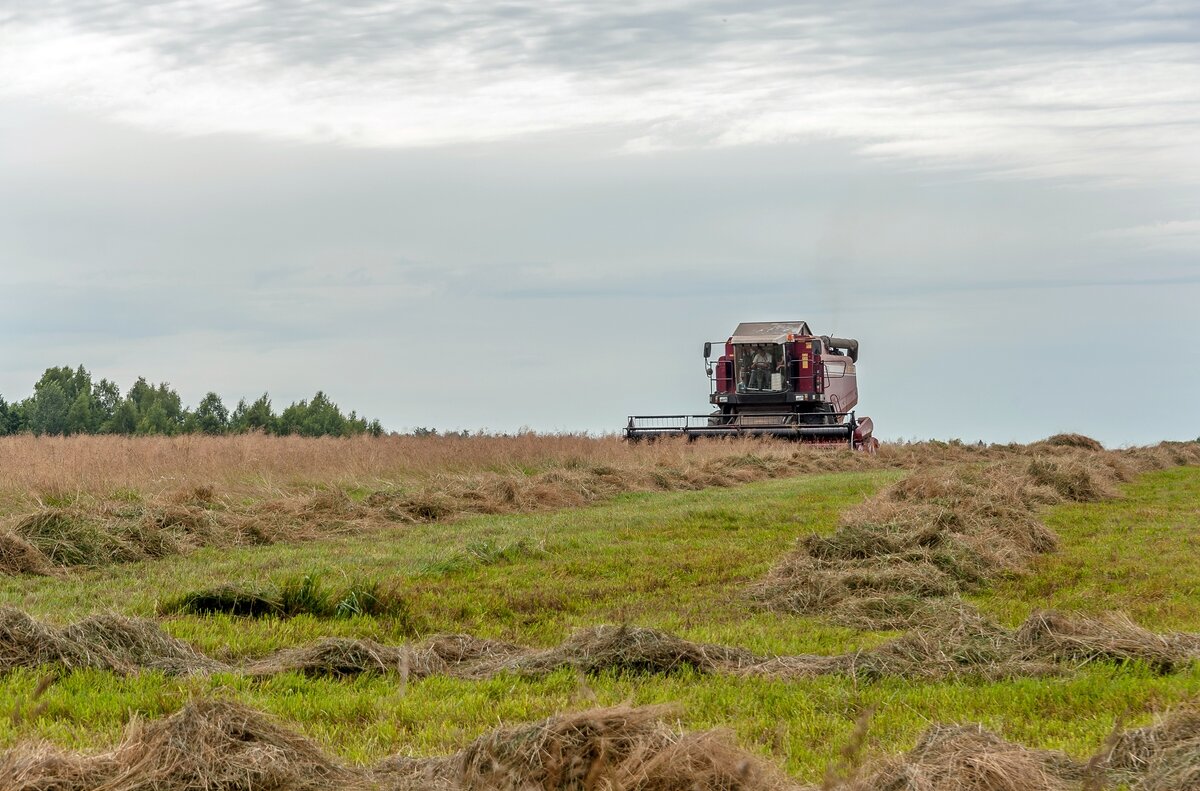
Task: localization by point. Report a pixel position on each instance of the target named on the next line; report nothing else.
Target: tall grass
(55, 471)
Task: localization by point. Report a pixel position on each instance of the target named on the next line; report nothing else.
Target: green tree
(50, 406)
(211, 416)
(159, 408)
(156, 421)
(125, 418)
(258, 416)
(106, 397)
(141, 394)
(72, 381)
(80, 416)
(323, 419)
(172, 405)
(5, 417)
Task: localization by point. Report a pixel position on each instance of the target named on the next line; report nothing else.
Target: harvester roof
(769, 331)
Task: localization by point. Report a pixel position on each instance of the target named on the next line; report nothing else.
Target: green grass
(679, 561)
(1137, 554)
(802, 725)
(304, 594)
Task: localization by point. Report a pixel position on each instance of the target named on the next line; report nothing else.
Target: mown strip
(947, 531)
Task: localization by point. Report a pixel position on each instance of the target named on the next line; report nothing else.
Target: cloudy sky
(533, 214)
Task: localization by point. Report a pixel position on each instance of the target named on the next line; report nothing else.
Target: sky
(532, 214)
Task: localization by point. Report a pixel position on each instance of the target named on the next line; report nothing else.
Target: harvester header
(777, 379)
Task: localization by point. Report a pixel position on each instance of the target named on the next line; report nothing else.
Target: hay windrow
(971, 758)
(948, 530)
(18, 556)
(220, 744)
(1071, 441)
(217, 744)
(104, 642)
(209, 744)
(626, 649)
(949, 639)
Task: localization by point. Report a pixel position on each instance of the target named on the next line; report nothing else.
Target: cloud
(1065, 90)
(1182, 235)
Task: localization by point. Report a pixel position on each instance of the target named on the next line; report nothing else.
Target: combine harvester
(775, 379)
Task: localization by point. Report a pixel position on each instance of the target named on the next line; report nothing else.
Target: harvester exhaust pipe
(849, 344)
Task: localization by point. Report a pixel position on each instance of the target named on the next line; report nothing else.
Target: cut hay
(18, 556)
(119, 523)
(1164, 756)
(971, 758)
(955, 639)
(341, 657)
(624, 649)
(141, 645)
(613, 748)
(1113, 637)
(105, 642)
(948, 638)
(218, 744)
(25, 642)
(226, 746)
(1078, 441)
(210, 744)
(937, 533)
(74, 537)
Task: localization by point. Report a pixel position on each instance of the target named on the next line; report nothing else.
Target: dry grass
(105, 642)
(58, 467)
(214, 744)
(53, 470)
(208, 745)
(1164, 756)
(971, 758)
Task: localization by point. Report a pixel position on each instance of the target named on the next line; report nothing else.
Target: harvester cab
(775, 379)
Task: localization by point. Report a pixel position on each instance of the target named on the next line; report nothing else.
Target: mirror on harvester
(707, 349)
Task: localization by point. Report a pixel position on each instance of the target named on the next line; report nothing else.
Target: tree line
(67, 401)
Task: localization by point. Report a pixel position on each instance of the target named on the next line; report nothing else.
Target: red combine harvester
(775, 379)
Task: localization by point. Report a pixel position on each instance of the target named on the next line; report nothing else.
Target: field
(824, 610)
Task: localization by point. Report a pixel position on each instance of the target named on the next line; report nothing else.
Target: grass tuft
(304, 594)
